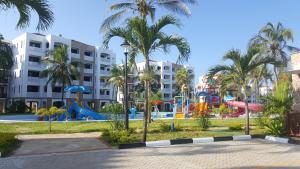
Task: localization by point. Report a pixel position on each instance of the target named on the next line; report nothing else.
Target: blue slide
(84, 113)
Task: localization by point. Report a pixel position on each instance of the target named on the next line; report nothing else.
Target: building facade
(166, 72)
(26, 85)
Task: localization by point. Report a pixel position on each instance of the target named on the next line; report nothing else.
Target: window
(87, 66)
(34, 59)
(102, 80)
(47, 45)
(88, 53)
(108, 69)
(102, 68)
(45, 89)
(75, 50)
(166, 86)
(87, 78)
(32, 73)
(102, 92)
(107, 92)
(166, 68)
(57, 44)
(166, 76)
(56, 89)
(31, 88)
(158, 67)
(166, 95)
(35, 44)
(22, 44)
(105, 55)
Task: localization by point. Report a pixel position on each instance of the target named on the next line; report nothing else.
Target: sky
(215, 26)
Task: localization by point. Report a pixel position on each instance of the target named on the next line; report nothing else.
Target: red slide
(253, 107)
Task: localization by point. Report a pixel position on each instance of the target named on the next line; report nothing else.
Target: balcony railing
(88, 71)
(3, 95)
(87, 96)
(87, 83)
(34, 79)
(89, 58)
(33, 94)
(56, 94)
(74, 55)
(75, 82)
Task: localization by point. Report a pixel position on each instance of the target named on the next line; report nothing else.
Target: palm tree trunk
(247, 128)
(50, 123)
(276, 75)
(62, 94)
(146, 106)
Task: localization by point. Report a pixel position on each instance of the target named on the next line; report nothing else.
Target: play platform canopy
(74, 89)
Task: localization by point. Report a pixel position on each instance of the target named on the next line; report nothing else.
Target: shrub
(236, 127)
(202, 115)
(119, 137)
(276, 127)
(18, 107)
(116, 111)
(8, 143)
(203, 122)
(164, 127)
(260, 122)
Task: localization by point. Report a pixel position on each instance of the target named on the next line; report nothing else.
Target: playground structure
(79, 110)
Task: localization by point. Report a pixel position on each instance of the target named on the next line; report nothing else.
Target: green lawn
(189, 127)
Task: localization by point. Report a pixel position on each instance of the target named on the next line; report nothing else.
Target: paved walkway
(59, 143)
(221, 155)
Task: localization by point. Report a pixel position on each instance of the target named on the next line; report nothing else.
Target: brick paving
(228, 154)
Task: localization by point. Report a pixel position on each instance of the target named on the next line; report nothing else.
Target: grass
(187, 128)
(8, 143)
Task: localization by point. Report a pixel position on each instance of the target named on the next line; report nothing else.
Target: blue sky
(215, 26)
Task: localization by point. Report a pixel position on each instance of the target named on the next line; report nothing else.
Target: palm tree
(238, 72)
(144, 8)
(116, 78)
(60, 70)
(183, 77)
(6, 58)
(146, 40)
(274, 39)
(24, 7)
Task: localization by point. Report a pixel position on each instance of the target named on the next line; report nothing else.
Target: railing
(104, 96)
(87, 96)
(34, 79)
(74, 55)
(33, 94)
(105, 60)
(88, 58)
(88, 71)
(75, 82)
(88, 83)
(3, 95)
(56, 94)
(36, 49)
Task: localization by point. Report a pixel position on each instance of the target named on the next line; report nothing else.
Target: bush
(8, 143)
(203, 122)
(236, 127)
(119, 137)
(276, 127)
(260, 122)
(164, 127)
(116, 111)
(18, 107)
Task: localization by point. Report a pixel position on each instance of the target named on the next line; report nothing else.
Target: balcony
(75, 82)
(106, 97)
(89, 58)
(34, 79)
(76, 56)
(35, 49)
(85, 83)
(105, 60)
(87, 96)
(90, 71)
(105, 73)
(3, 95)
(56, 94)
(293, 68)
(33, 94)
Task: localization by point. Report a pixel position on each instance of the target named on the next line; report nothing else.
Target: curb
(165, 143)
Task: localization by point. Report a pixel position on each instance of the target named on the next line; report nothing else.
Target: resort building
(26, 85)
(165, 72)
(294, 117)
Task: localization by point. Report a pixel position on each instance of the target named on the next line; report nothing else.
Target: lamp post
(126, 47)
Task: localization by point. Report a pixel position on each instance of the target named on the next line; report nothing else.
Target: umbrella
(74, 89)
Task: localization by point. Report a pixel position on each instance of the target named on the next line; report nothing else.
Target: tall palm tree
(6, 58)
(24, 7)
(145, 40)
(144, 8)
(275, 39)
(60, 71)
(238, 72)
(116, 78)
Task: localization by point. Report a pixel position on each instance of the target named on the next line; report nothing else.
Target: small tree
(221, 110)
(44, 112)
(202, 116)
(115, 110)
(277, 106)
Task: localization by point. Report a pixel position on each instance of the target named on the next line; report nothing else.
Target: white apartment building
(167, 71)
(25, 84)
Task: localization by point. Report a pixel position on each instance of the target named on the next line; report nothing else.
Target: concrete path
(59, 143)
(219, 155)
